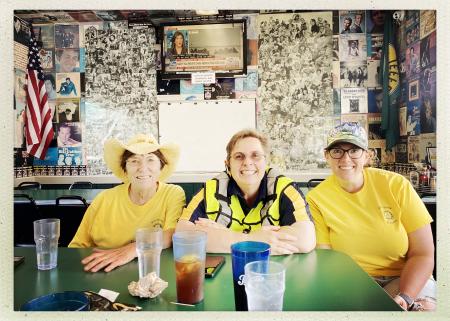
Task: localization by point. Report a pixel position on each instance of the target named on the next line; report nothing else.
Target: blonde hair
(244, 134)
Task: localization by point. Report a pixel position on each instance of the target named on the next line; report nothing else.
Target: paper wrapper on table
(150, 286)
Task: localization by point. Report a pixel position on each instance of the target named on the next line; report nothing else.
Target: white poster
(353, 100)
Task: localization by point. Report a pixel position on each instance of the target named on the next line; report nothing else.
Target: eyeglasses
(240, 157)
(338, 153)
(138, 162)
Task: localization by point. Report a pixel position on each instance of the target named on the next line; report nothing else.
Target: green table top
(323, 280)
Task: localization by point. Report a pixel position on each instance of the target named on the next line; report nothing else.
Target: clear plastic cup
(264, 285)
(46, 235)
(149, 244)
(189, 252)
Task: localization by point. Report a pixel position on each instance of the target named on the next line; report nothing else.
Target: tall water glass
(46, 235)
(241, 254)
(264, 285)
(149, 244)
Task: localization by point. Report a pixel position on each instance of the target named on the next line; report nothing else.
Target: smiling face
(347, 169)
(143, 171)
(247, 162)
(64, 134)
(68, 60)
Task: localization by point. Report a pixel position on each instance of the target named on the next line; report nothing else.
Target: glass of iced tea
(189, 251)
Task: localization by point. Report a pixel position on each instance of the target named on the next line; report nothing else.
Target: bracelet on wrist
(409, 301)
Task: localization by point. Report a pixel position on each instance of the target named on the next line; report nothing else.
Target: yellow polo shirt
(370, 225)
(112, 218)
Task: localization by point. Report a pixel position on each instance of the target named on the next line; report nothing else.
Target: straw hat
(140, 144)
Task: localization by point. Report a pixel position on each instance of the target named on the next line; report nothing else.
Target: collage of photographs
(357, 51)
(87, 61)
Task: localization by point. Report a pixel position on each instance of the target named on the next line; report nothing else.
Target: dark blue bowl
(64, 301)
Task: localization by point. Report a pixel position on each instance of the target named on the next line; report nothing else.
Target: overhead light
(207, 12)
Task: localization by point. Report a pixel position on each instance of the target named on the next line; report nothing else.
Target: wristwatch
(409, 301)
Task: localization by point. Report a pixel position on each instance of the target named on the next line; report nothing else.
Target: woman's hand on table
(205, 222)
(109, 259)
(280, 242)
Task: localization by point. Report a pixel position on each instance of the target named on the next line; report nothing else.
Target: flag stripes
(38, 122)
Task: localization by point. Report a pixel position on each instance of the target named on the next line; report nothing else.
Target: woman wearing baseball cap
(377, 218)
(143, 200)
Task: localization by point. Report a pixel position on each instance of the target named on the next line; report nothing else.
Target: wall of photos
(417, 43)
(307, 71)
(417, 76)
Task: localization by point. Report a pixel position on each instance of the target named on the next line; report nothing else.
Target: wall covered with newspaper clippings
(120, 86)
(295, 92)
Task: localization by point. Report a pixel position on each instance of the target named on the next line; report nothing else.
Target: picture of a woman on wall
(178, 45)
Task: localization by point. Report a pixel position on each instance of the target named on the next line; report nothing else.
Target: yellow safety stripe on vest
(216, 202)
(273, 215)
(240, 221)
(213, 204)
(228, 212)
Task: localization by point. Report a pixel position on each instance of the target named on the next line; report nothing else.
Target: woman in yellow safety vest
(250, 201)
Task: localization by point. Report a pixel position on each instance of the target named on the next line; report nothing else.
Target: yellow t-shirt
(112, 218)
(372, 224)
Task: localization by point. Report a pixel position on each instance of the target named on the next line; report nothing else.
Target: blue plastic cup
(241, 254)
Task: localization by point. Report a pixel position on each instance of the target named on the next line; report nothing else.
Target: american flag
(38, 123)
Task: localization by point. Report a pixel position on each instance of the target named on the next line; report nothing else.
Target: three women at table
(143, 200)
(250, 201)
(377, 218)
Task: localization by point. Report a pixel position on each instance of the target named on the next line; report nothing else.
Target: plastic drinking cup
(148, 248)
(189, 252)
(264, 285)
(241, 254)
(46, 235)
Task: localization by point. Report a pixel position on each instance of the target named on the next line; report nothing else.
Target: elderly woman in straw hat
(144, 200)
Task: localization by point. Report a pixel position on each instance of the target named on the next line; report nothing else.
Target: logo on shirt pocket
(157, 223)
(387, 215)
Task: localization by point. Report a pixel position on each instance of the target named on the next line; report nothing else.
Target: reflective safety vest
(226, 210)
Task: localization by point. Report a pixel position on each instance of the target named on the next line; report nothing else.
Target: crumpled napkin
(149, 286)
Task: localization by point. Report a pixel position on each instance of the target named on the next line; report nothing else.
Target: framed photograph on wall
(414, 178)
(414, 90)
(431, 156)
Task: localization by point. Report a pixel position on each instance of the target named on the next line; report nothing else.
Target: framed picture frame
(413, 90)
(414, 178)
(431, 156)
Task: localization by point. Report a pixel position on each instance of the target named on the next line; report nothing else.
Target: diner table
(323, 280)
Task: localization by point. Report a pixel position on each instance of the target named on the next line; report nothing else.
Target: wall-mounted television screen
(190, 47)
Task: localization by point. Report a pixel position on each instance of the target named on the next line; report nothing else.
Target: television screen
(204, 46)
